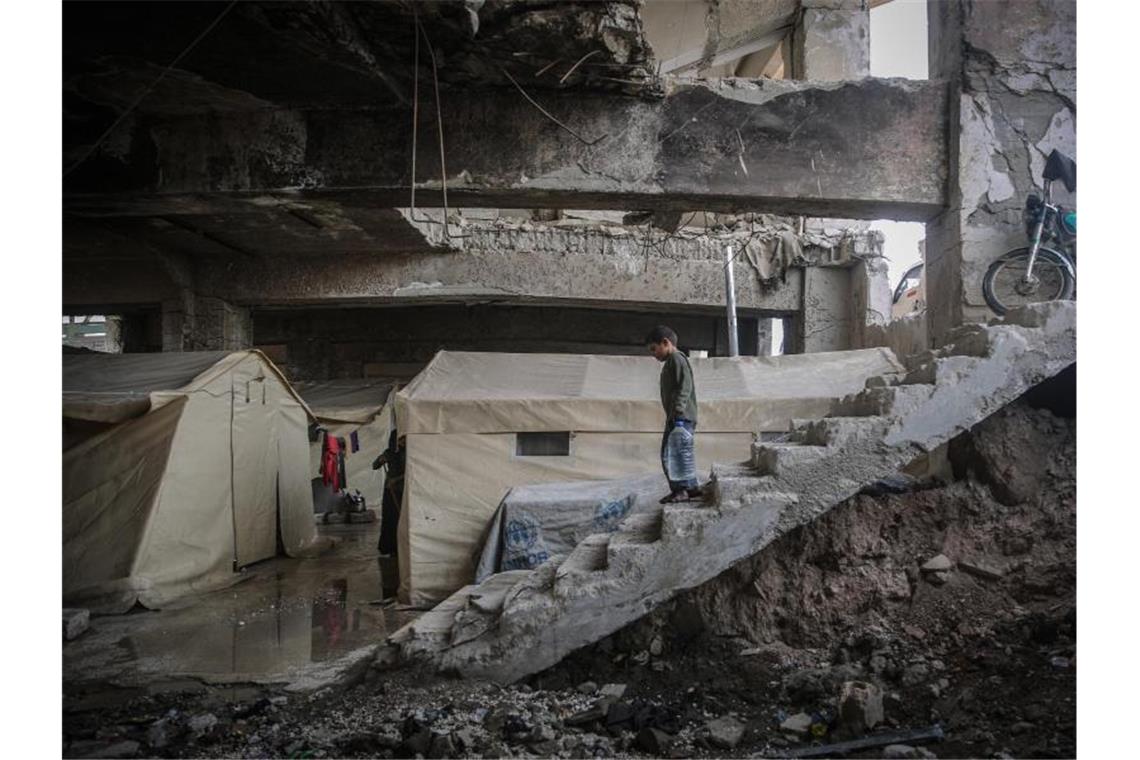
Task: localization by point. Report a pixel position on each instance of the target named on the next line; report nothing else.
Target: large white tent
(467, 417)
(180, 469)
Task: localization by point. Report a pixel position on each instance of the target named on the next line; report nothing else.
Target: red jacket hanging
(330, 469)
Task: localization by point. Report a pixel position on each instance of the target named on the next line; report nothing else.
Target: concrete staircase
(520, 622)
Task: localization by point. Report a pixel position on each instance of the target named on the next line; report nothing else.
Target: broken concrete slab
(545, 620)
(702, 145)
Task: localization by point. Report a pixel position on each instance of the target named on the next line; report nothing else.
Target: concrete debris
(725, 732)
(75, 622)
(982, 570)
(654, 741)
(860, 706)
(938, 563)
(797, 725)
(613, 691)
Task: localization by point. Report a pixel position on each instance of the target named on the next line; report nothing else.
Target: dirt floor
(751, 663)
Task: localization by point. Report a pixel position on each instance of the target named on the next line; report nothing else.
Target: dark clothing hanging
(395, 459)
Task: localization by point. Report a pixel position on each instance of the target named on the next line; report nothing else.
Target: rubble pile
(942, 612)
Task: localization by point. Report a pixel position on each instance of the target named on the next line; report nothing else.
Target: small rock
(1060, 663)
(860, 706)
(905, 752)
(727, 732)
(75, 622)
(657, 646)
(939, 563)
(613, 690)
(641, 658)
(938, 578)
(1021, 727)
(982, 570)
(914, 632)
(654, 741)
(541, 733)
(587, 687)
(202, 724)
(798, 724)
(279, 701)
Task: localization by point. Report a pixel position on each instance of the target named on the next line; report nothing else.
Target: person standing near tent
(679, 398)
(394, 458)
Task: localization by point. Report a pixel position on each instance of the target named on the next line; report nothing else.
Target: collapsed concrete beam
(517, 623)
(874, 148)
(528, 265)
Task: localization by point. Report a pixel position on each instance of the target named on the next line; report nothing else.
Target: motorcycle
(1045, 270)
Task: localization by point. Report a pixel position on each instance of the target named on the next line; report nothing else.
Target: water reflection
(307, 611)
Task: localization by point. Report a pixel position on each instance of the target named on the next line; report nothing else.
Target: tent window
(542, 444)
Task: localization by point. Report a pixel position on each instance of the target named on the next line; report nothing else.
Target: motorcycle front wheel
(1005, 286)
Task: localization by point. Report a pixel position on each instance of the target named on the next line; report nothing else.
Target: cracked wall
(1012, 68)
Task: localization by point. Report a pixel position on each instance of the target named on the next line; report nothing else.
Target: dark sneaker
(674, 497)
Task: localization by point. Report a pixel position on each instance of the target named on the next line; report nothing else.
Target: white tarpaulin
(186, 482)
(462, 415)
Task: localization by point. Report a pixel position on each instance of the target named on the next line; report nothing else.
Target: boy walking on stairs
(679, 398)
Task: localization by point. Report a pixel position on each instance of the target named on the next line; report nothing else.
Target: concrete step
(837, 431)
(681, 522)
(587, 557)
(628, 553)
(643, 526)
(776, 458)
(883, 402)
(942, 370)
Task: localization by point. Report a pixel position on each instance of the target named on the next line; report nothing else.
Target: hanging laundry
(343, 445)
(355, 438)
(331, 466)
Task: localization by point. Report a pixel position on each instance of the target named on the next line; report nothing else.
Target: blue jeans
(666, 451)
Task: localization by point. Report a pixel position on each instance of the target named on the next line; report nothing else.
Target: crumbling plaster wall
(1012, 69)
(832, 40)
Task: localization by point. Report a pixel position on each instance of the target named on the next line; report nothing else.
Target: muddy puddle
(286, 614)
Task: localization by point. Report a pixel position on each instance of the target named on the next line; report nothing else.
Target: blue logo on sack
(610, 513)
(521, 535)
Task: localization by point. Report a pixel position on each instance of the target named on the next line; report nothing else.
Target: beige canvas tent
(180, 469)
(343, 407)
(478, 424)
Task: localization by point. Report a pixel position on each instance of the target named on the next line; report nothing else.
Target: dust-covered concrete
(548, 613)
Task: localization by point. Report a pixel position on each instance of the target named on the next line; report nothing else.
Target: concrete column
(832, 40)
(765, 337)
(1012, 71)
(870, 300)
(825, 324)
(202, 323)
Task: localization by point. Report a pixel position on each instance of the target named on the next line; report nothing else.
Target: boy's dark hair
(660, 334)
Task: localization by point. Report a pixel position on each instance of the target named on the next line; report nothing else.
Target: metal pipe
(730, 301)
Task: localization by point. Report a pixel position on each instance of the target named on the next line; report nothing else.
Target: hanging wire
(107, 133)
